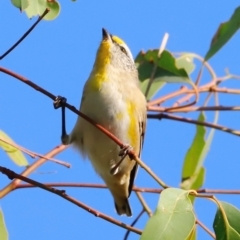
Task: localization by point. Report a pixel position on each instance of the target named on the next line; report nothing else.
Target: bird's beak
(105, 35)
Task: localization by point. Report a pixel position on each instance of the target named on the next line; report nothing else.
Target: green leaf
(191, 166)
(55, 8)
(186, 62)
(155, 87)
(3, 229)
(37, 7)
(167, 62)
(196, 181)
(193, 173)
(145, 68)
(193, 235)
(15, 154)
(228, 227)
(173, 219)
(21, 4)
(224, 33)
(160, 70)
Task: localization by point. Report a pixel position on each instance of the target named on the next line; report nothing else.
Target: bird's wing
(142, 127)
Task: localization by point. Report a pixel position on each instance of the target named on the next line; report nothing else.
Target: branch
(147, 169)
(194, 108)
(161, 48)
(133, 223)
(25, 34)
(206, 229)
(11, 186)
(177, 105)
(145, 206)
(136, 189)
(34, 154)
(62, 194)
(211, 86)
(192, 121)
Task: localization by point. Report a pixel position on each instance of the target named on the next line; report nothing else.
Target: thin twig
(161, 48)
(62, 194)
(34, 154)
(137, 189)
(225, 90)
(211, 86)
(194, 108)
(144, 204)
(11, 186)
(147, 169)
(199, 76)
(187, 97)
(163, 99)
(25, 34)
(205, 228)
(133, 223)
(218, 191)
(192, 121)
(176, 106)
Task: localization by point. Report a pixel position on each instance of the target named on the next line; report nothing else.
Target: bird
(112, 98)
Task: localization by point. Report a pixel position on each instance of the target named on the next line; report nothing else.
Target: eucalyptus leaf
(193, 173)
(156, 71)
(21, 4)
(186, 62)
(173, 219)
(3, 229)
(37, 7)
(191, 162)
(15, 154)
(227, 229)
(225, 31)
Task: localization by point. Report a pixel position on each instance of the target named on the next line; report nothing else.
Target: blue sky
(58, 55)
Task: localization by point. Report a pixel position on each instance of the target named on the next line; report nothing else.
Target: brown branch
(160, 100)
(177, 105)
(211, 86)
(133, 223)
(11, 186)
(25, 34)
(144, 204)
(61, 193)
(199, 76)
(194, 108)
(218, 191)
(148, 170)
(89, 185)
(226, 90)
(160, 50)
(136, 189)
(206, 229)
(192, 121)
(34, 154)
(131, 153)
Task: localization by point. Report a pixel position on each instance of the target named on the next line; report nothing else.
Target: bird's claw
(59, 102)
(124, 151)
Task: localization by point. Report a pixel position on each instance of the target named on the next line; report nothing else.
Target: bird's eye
(123, 49)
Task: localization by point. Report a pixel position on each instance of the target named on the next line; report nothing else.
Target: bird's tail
(123, 208)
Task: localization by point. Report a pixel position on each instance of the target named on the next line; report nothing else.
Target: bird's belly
(100, 149)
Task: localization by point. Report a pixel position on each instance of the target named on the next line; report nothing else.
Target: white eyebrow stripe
(128, 51)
